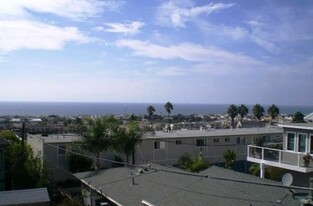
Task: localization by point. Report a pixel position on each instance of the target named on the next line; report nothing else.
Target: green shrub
(198, 165)
(185, 160)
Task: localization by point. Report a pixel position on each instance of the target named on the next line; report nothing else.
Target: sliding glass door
(302, 143)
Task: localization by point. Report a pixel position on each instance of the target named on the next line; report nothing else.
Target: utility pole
(23, 132)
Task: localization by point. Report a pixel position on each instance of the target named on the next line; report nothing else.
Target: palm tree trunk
(133, 156)
(97, 167)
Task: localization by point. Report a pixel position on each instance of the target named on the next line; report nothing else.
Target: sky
(155, 51)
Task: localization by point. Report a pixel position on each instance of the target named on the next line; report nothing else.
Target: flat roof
(214, 133)
(307, 126)
(159, 187)
(56, 138)
(21, 197)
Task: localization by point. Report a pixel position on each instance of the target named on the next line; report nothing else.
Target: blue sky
(181, 51)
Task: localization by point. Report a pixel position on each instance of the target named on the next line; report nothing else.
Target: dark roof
(29, 196)
(164, 188)
(4, 143)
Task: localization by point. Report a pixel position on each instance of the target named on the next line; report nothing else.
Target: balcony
(279, 158)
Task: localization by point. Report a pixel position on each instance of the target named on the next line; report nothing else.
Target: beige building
(168, 147)
(52, 149)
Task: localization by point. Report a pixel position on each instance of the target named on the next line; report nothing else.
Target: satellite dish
(287, 179)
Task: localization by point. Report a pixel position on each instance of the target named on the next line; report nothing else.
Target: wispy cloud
(74, 9)
(185, 51)
(124, 28)
(273, 27)
(171, 71)
(233, 32)
(176, 14)
(25, 34)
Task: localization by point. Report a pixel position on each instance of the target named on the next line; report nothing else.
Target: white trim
(310, 139)
(281, 165)
(295, 127)
(146, 203)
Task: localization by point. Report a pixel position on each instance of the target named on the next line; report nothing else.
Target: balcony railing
(278, 156)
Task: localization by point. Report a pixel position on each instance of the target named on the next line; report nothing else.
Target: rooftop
(308, 126)
(215, 133)
(222, 187)
(56, 138)
(24, 197)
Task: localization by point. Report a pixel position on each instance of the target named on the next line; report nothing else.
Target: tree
(168, 107)
(258, 112)
(232, 111)
(78, 163)
(24, 169)
(298, 117)
(127, 138)
(273, 111)
(150, 111)
(97, 136)
(229, 156)
(242, 111)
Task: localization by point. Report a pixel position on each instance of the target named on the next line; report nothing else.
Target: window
(216, 140)
(243, 141)
(266, 138)
(302, 143)
(159, 145)
(291, 141)
(200, 142)
(62, 150)
(227, 139)
(1, 160)
(178, 141)
(238, 140)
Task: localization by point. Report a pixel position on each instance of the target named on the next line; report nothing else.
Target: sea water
(78, 108)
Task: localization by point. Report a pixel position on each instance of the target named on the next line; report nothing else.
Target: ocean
(76, 108)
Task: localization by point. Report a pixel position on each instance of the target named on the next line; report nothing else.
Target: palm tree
(127, 138)
(298, 117)
(242, 111)
(97, 136)
(273, 111)
(255, 169)
(258, 112)
(150, 111)
(168, 107)
(229, 156)
(232, 111)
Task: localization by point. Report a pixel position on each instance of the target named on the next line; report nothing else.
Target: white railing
(276, 155)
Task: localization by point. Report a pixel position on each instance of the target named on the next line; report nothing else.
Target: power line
(127, 164)
(178, 172)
